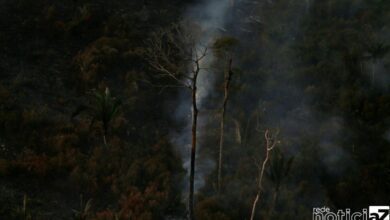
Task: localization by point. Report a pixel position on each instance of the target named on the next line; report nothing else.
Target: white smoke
(211, 17)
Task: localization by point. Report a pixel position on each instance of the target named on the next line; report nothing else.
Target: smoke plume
(211, 17)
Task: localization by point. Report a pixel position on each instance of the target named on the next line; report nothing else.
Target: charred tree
(223, 49)
(228, 77)
(171, 52)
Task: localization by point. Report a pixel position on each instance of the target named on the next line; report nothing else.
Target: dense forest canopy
(95, 122)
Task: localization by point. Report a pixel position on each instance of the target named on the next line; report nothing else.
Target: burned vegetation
(244, 109)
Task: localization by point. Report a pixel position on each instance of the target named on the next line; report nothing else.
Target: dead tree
(224, 49)
(228, 77)
(270, 143)
(175, 53)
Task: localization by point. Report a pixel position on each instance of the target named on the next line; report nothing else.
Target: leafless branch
(270, 143)
(173, 52)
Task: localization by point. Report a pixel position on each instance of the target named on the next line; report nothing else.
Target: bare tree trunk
(373, 72)
(270, 144)
(24, 208)
(260, 186)
(228, 77)
(254, 205)
(105, 134)
(160, 58)
(104, 140)
(238, 131)
(193, 147)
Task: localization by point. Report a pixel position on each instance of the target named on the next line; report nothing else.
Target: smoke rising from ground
(211, 17)
(291, 98)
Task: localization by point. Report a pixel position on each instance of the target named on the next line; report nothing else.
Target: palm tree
(104, 108)
(84, 211)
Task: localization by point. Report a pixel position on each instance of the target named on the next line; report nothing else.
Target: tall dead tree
(175, 54)
(270, 143)
(228, 78)
(223, 49)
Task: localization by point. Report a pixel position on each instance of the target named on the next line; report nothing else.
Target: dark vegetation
(316, 71)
